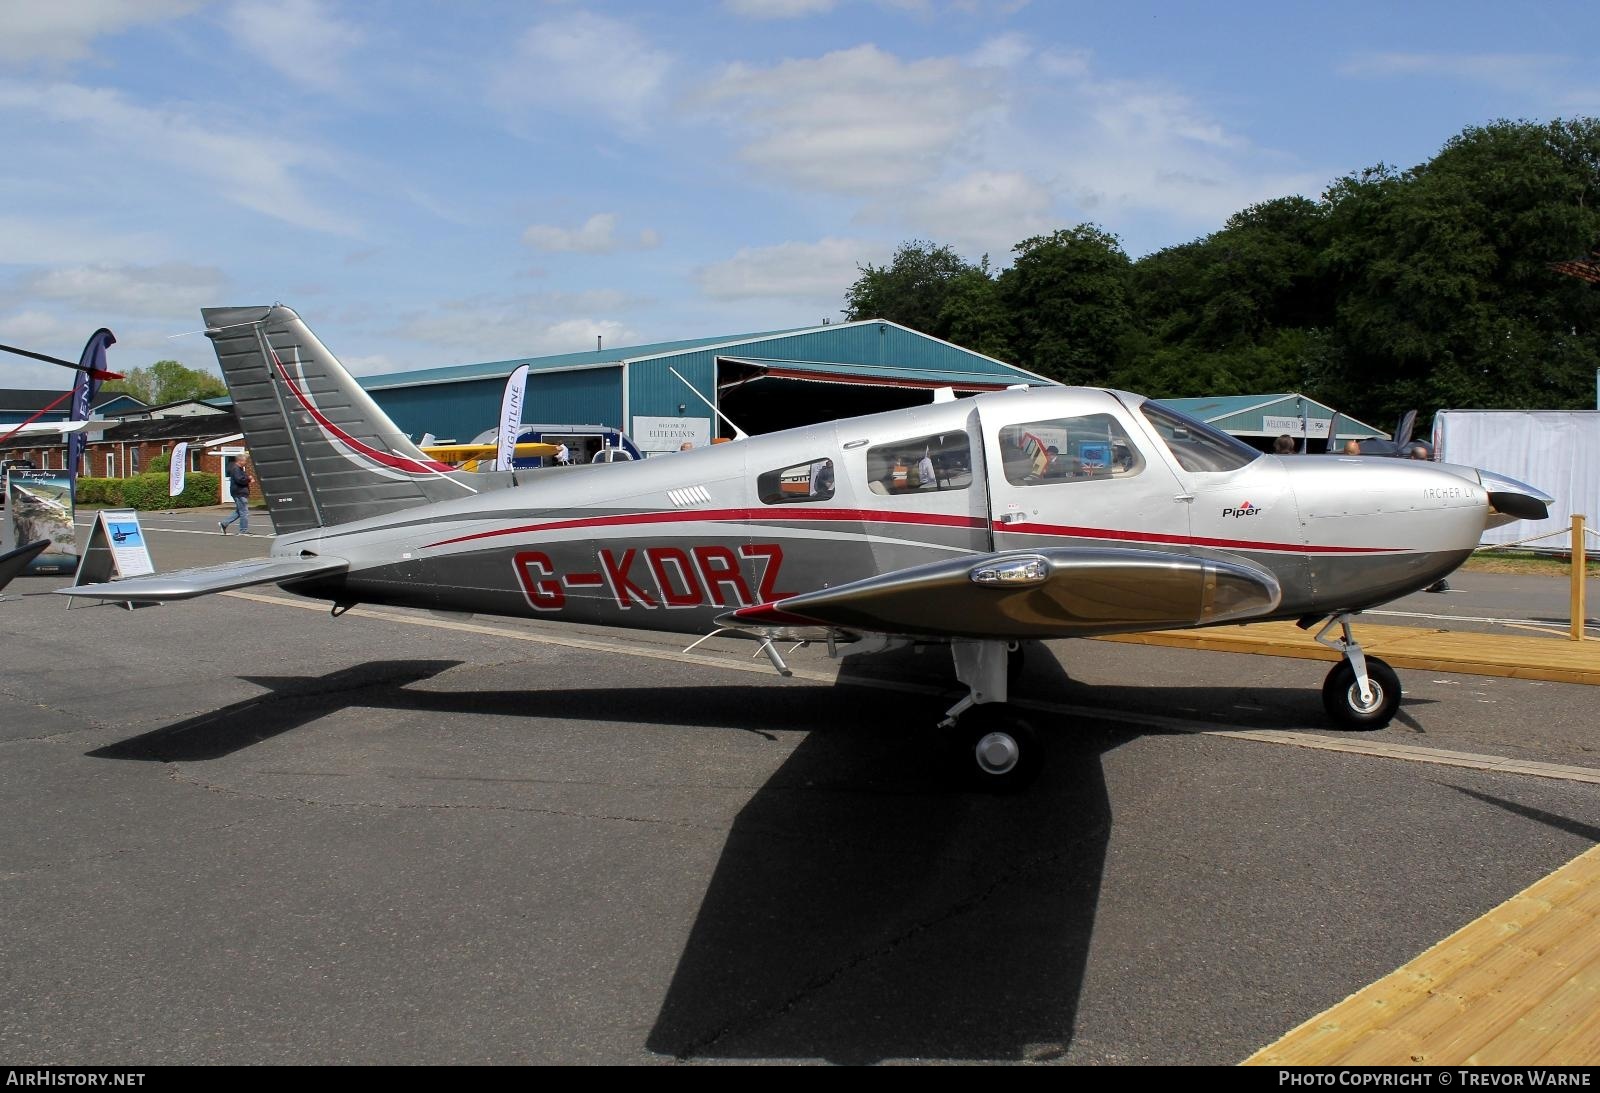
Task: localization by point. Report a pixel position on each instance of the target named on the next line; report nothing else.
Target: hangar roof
(985, 374)
(588, 359)
(1269, 415)
(894, 375)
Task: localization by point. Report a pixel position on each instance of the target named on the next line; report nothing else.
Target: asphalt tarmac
(241, 831)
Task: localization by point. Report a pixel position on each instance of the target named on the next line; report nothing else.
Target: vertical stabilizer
(322, 449)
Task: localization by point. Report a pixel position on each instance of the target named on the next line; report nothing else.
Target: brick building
(124, 443)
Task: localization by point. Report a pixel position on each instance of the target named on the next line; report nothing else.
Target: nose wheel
(995, 750)
(1361, 692)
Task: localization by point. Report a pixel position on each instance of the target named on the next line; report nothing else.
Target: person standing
(563, 455)
(239, 486)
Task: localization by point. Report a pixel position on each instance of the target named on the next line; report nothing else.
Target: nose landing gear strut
(995, 749)
(1361, 692)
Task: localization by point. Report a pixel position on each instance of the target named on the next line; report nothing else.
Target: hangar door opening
(764, 397)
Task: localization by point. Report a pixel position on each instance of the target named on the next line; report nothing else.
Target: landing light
(1010, 572)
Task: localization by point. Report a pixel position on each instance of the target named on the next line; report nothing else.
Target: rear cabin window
(1068, 449)
(924, 464)
(794, 485)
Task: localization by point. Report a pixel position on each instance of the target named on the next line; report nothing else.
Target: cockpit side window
(921, 464)
(1090, 448)
(1195, 445)
(794, 485)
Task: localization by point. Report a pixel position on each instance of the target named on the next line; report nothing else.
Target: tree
(1067, 296)
(912, 289)
(1446, 297)
(167, 381)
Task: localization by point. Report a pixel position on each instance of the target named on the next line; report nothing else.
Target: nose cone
(1512, 500)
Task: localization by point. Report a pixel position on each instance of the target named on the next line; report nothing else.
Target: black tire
(1342, 698)
(1016, 663)
(997, 751)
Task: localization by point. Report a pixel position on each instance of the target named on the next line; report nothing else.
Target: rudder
(322, 449)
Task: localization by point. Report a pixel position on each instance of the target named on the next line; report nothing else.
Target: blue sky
(433, 183)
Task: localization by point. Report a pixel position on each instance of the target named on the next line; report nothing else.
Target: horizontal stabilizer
(13, 562)
(185, 584)
(1058, 592)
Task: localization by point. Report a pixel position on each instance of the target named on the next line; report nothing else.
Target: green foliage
(167, 381)
(914, 288)
(160, 463)
(149, 491)
(1422, 288)
(1067, 294)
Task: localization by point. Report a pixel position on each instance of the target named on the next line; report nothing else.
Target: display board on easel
(116, 549)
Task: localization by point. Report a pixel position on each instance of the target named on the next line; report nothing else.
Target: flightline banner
(511, 418)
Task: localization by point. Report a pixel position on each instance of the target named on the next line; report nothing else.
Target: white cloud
(1002, 51)
(62, 331)
(596, 236)
(61, 30)
(779, 9)
(499, 328)
(811, 273)
(1131, 146)
(169, 290)
(259, 173)
(855, 121)
(983, 212)
(299, 38)
(582, 64)
(1510, 70)
(34, 240)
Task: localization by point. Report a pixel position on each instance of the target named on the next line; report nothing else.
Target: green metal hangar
(1258, 420)
(658, 394)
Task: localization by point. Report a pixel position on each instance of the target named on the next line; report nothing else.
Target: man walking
(239, 485)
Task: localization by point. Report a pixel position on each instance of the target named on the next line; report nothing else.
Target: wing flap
(1051, 593)
(185, 584)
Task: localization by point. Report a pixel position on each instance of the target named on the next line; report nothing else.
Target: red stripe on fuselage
(1183, 540)
(723, 516)
(916, 519)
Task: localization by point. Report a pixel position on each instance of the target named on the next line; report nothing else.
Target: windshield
(1195, 445)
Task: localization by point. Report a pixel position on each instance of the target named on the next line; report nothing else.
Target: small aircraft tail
(322, 449)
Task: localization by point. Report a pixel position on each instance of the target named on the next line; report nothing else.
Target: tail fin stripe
(396, 462)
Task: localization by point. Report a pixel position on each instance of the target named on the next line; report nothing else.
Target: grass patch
(1528, 563)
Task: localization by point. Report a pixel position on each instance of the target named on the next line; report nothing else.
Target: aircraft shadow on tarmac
(291, 702)
(1538, 815)
(862, 909)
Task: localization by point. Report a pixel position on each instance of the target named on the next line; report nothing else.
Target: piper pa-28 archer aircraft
(1045, 513)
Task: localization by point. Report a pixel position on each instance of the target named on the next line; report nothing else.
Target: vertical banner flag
(180, 460)
(84, 389)
(511, 418)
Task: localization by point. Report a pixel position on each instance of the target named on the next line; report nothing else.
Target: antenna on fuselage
(738, 433)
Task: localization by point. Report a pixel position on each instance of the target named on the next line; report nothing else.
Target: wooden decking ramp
(1515, 655)
(1519, 986)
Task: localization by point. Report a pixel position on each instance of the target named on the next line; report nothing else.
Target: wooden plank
(1532, 1039)
(1538, 949)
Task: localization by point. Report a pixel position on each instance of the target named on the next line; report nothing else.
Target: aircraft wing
(13, 562)
(453, 453)
(45, 428)
(1055, 592)
(185, 584)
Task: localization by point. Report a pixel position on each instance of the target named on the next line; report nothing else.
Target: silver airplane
(977, 523)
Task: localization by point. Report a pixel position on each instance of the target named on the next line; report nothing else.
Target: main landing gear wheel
(998, 751)
(1341, 695)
